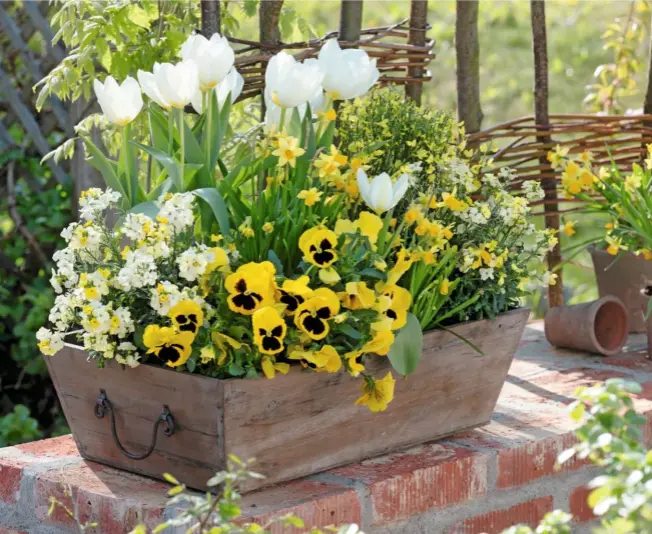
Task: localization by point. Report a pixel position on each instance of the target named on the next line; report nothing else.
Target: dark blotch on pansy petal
(271, 343)
(170, 353)
(314, 325)
(246, 302)
(323, 257)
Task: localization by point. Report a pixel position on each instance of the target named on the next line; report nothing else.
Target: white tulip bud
(381, 194)
(347, 73)
(214, 58)
(120, 103)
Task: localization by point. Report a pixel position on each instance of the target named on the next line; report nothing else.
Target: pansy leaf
(348, 330)
(406, 350)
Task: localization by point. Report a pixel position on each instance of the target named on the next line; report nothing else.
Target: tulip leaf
(326, 139)
(214, 199)
(407, 348)
(158, 128)
(171, 165)
(108, 170)
(163, 187)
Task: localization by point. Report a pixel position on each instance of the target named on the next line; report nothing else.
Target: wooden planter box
(294, 425)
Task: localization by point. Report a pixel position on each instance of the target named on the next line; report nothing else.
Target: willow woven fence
(397, 59)
(523, 145)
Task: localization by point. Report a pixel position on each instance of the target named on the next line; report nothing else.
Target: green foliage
(18, 427)
(391, 130)
(556, 522)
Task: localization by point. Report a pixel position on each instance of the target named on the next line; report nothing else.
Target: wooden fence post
(467, 48)
(269, 13)
(210, 17)
(350, 20)
(551, 206)
(417, 36)
(647, 105)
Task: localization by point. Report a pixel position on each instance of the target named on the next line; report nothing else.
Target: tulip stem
(208, 97)
(383, 232)
(182, 135)
(280, 126)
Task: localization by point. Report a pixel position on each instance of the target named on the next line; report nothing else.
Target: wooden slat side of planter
(304, 423)
(195, 452)
(294, 425)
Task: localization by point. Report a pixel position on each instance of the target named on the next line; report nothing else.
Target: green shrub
(18, 427)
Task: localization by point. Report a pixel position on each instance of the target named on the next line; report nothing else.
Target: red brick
(12, 531)
(10, 476)
(528, 513)
(63, 446)
(579, 507)
(534, 460)
(318, 504)
(432, 476)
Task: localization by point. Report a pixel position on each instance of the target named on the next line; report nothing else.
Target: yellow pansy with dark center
(313, 315)
(395, 305)
(187, 316)
(318, 246)
(357, 296)
(251, 287)
(172, 347)
(269, 330)
(294, 292)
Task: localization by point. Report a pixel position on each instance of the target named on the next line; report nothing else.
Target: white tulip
(147, 81)
(175, 84)
(290, 83)
(120, 103)
(273, 112)
(214, 58)
(233, 83)
(347, 73)
(381, 194)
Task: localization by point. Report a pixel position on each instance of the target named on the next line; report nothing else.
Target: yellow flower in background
(587, 179)
(404, 261)
(251, 287)
(219, 259)
(377, 394)
(615, 245)
(645, 252)
(313, 315)
(568, 228)
(452, 203)
(268, 227)
(171, 347)
(413, 215)
(269, 330)
(207, 354)
(288, 151)
(187, 316)
(310, 196)
(633, 182)
(318, 246)
(357, 296)
(444, 287)
(270, 366)
(294, 292)
(556, 157)
(330, 115)
(586, 157)
(329, 164)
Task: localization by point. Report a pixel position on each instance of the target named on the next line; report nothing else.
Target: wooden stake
(418, 29)
(467, 48)
(210, 17)
(350, 20)
(551, 207)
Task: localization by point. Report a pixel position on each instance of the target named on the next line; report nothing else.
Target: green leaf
(348, 330)
(577, 411)
(212, 197)
(407, 348)
(107, 169)
(273, 257)
(170, 164)
(139, 16)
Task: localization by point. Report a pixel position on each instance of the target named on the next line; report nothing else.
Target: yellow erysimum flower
(568, 228)
(187, 316)
(172, 347)
(269, 330)
(357, 296)
(288, 150)
(251, 287)
(310, 196)
(318, 246)
(452, 203)
(377, 394)
(313, 315)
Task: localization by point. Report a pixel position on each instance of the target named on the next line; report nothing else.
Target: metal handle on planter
(102, 404)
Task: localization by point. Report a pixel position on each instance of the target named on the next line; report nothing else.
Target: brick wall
(482, 481)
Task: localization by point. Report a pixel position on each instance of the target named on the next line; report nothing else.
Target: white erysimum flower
(231, 85)
(120, 103)
(347, 73)
(177, 209)
(175, 84)
(127, 354)
(192, 264)
(486, 273)
(49, 342)
(94, 201)
(381, 194)
(291, 83)
(121, 323)
(214, 58)
(139, 271)
(164, 297)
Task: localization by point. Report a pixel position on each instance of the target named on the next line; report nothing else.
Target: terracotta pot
(623, 278)
(599, 326)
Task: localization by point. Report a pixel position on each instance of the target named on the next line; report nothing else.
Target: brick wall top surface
(517, 449)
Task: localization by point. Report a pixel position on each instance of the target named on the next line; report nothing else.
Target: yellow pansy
(377, 394)
(294, 292)
(313, 315)
(270, 366)
(394, 303)
(325, 359)
(269, 330)
(329, 276)
(187, 316)
(354, 362)
(380, 344)
(223, 343)
(357, 296)
(404, 261)
(251, 287)
(288, 150)
(219, 259)
(207, 354)
(171, 347)
(318, 246)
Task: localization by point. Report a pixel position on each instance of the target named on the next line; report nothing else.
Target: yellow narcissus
(171, 347)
